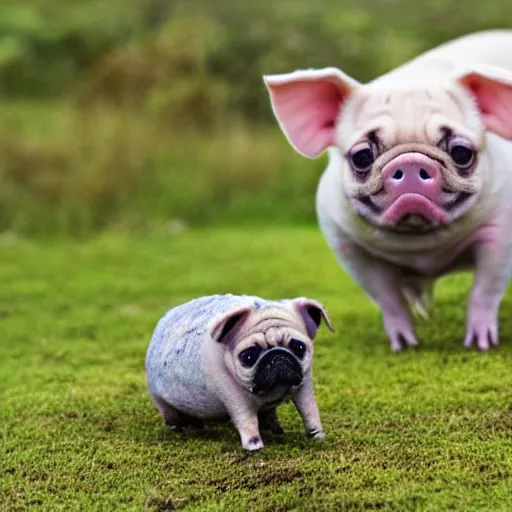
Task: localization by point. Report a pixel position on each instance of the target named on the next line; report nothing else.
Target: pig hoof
(400, 332)
(483, 332)
(399, 341)
(315, 434)
(484, 341)
(252, 444)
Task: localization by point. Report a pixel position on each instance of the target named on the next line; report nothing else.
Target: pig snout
(412, 173)
(413, 188)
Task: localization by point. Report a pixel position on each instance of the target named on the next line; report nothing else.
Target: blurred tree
(158, 106)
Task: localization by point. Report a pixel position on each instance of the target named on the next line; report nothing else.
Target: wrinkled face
(268, 345)
(273, 354)
(413, 145)
(411, 156)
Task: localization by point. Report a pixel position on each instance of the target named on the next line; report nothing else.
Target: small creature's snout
(276, 368)
(412, 173)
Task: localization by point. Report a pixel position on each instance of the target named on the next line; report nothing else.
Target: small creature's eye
(249, 356)
(362, 157)
(462, 152)
(297, 347)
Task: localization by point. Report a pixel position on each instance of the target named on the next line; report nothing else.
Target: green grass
(428, 429)
(70, 171)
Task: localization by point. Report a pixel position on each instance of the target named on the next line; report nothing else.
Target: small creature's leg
(305, 402)
(268, 421)
(173, 418)
(193, 422)
(492, 275)
(246, 422)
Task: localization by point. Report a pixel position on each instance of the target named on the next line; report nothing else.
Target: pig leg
(268, 421)
(305, 402)
(419, 293)
(492, 274)
(382, 282)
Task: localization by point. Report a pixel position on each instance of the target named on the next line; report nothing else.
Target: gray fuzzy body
(236, 357)
(177, 360)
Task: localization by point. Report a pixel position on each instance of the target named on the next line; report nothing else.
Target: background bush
(131, 114)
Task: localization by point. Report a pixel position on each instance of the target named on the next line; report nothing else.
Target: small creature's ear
(228, 324)
(312, 313)
(492, 89)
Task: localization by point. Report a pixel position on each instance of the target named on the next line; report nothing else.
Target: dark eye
(362, 157)
(298, 348)
(463, 155)
(249, 356)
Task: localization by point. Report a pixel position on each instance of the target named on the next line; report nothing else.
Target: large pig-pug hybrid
(419, 179)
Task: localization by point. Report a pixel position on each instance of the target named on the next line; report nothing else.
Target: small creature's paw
(252, 444)
(482, 329)
(316, 434)
(400, 332)
(274, 427)
(193, 422)
(277, 429)
(268, 421)
(175, 427)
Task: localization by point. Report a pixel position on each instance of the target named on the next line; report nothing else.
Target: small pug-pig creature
(419, 179)
(237, 357)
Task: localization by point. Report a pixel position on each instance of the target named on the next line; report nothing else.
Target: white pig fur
(430, 189)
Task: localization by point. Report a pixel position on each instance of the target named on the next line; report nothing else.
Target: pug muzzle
(276, 368)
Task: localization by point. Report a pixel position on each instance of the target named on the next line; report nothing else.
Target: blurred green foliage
(131, 112)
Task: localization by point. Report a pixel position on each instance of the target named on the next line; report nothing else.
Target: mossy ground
(427, 429)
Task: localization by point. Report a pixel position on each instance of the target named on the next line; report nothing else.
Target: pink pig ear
(492, 88)
(307, 104)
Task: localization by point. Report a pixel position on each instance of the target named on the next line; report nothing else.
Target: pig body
(436, 193)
